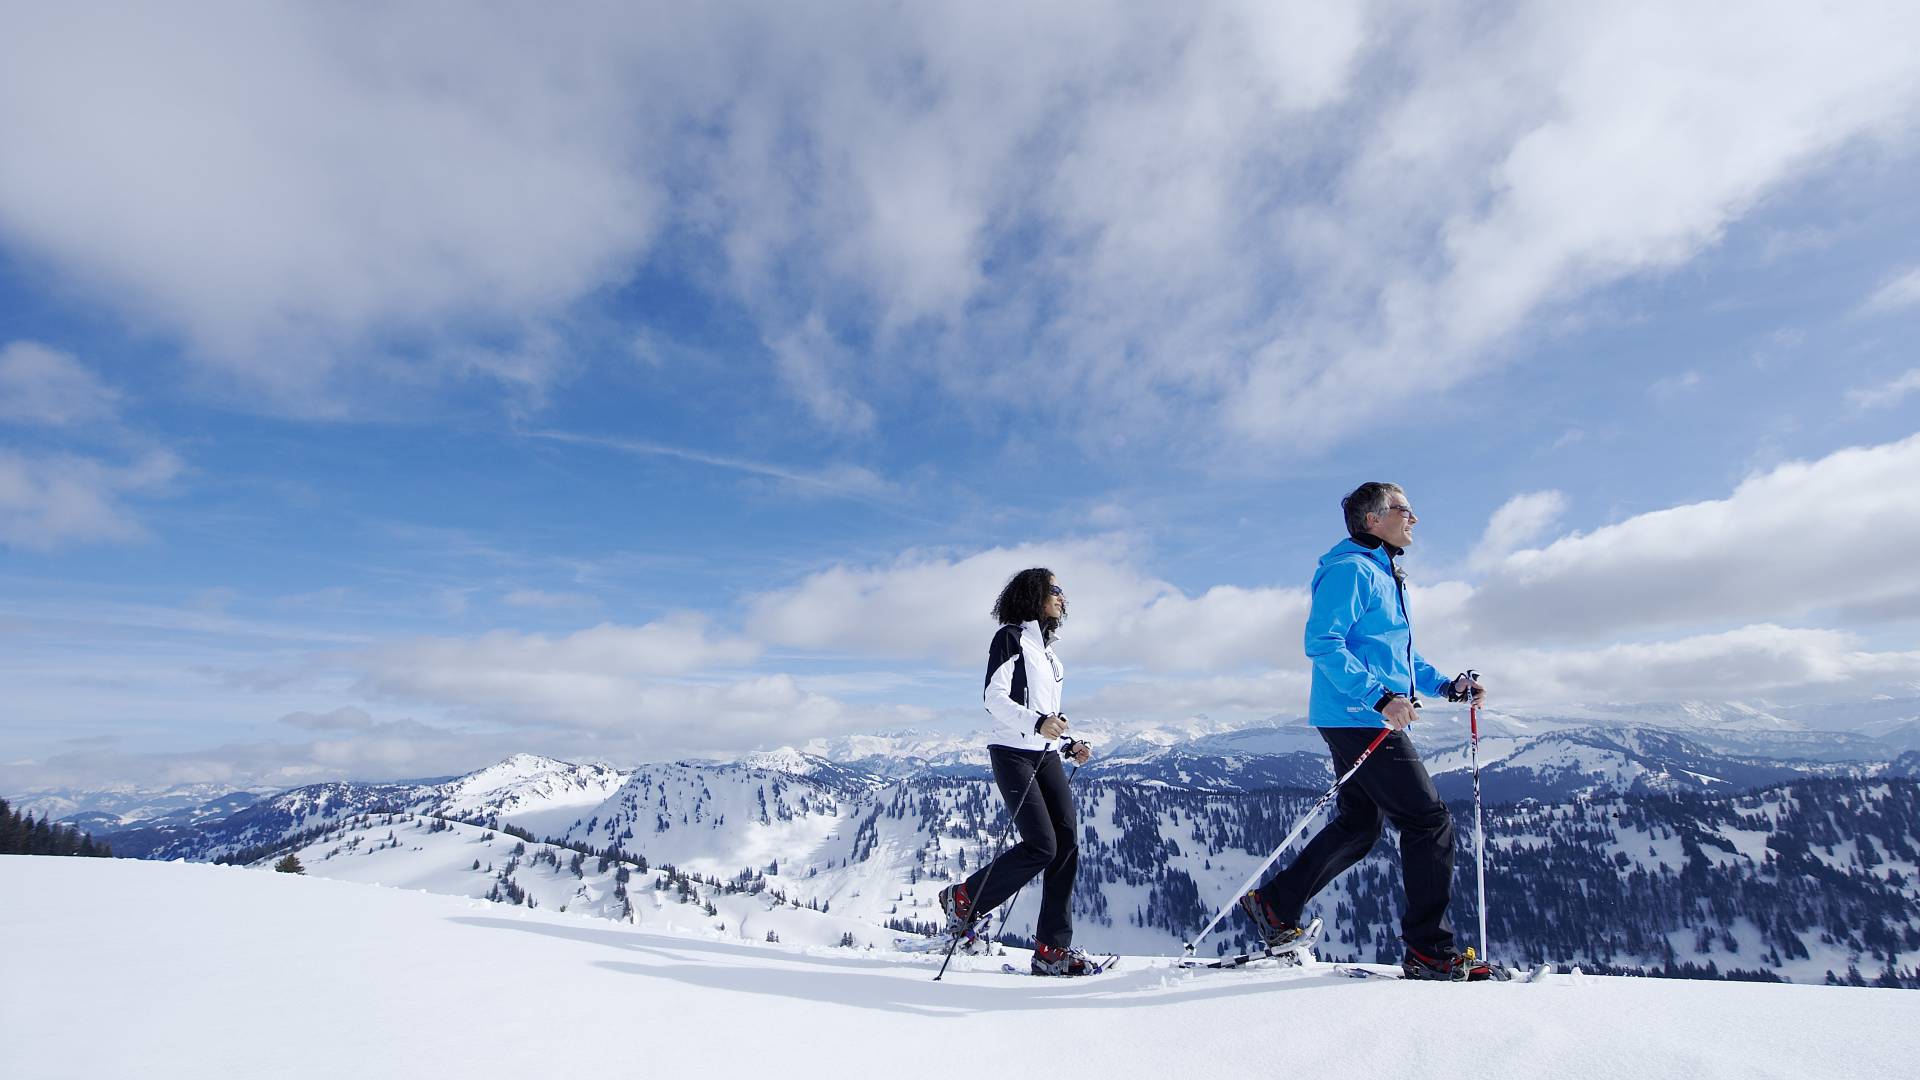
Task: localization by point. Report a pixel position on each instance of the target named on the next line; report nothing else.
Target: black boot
(1276, 932)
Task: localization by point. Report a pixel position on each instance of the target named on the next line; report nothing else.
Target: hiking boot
(957, 906)
(1054, 960)
(1444, 967)
(1275, 931)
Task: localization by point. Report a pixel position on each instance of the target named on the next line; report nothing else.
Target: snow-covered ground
(158, 970)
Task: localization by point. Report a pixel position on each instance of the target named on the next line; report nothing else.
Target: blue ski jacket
(1359, 638)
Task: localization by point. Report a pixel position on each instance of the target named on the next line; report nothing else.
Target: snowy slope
(230, 972)
(416, 851)
(540, 794)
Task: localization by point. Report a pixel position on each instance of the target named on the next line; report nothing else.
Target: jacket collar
(1372, 543)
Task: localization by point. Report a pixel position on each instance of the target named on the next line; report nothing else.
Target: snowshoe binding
(1450, 967)
(1275, 932)
(1054, 960)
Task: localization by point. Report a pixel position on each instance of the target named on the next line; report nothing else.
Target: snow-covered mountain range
(1794, 881)
(1173, 819)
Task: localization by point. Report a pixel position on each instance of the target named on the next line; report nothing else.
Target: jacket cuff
(1380, 703)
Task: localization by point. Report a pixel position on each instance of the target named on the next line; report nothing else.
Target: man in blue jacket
(1367, 675)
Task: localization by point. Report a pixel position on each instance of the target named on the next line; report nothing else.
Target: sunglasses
(1056, 590)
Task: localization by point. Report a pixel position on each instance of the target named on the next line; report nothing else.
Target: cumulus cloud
(937, 606)
(1255, 696)
(1519, 521)
(1752, 662)
(278, 184)
(890, 187)
(44, 386)
(662, 686)
(1799, 538)
(52, 501)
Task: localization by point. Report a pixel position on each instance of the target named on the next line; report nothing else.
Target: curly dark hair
(1025, 600)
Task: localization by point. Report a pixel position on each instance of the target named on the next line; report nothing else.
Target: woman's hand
(1076, 751)
(1051, 726)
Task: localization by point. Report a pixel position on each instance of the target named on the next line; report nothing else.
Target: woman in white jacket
(1023, 694)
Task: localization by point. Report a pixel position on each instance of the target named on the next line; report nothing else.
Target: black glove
(1455, 693)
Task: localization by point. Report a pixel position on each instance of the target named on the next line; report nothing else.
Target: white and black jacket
(1023, 685)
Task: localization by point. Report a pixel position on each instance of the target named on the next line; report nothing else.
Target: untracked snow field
(118, 968)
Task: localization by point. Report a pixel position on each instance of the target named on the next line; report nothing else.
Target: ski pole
(1479, 834)
(1307, 819)
(1005, 840)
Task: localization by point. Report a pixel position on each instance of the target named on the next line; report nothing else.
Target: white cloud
(1672, 386)
(839, 479)
(276, 184)
(49, 502)
(989, 198)
(1545, 173)
(1899, 291)
(1803, 537)
(1748, 664)
(357, 747)
(670, 646)
(938, 606)
(656, 689)
(806, 359)
(39, 385)
(1278, 692)
(536, 598)
(1888, 394)
(1519, 521)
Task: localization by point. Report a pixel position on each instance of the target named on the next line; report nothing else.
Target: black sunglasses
(1056, 590)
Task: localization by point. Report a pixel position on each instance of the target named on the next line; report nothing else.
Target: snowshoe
(1451, 967)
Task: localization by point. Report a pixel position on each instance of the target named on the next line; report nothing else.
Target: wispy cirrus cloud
(842, 479)
(47, 387)
(1887, 394)
(50, 501)
(1902, 290)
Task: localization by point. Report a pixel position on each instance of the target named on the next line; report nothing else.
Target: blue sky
(377, 400)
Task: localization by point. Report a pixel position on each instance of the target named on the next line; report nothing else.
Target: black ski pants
(1034, 784)
(1393, 785)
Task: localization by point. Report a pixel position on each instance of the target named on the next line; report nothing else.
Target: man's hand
(1465, 688)
(1077, 751)
(1398, 712)
(1052, 726)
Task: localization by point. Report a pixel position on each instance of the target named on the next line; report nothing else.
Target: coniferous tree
(290, 865)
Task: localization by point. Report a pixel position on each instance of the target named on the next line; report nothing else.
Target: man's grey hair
(1371, 497)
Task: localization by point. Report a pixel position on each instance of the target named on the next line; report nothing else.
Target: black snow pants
(1034, 785)
(1393, 785)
